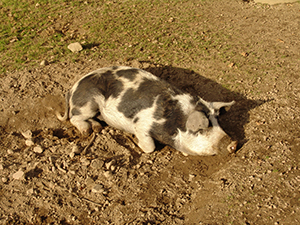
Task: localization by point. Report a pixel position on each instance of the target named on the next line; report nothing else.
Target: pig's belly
(117, 120)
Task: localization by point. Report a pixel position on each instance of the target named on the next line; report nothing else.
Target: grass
(160, 31)
(31, 31)
(167, 32)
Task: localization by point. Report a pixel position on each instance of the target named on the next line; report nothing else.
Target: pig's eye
(193, 132)
(200, 131)
(203, 131)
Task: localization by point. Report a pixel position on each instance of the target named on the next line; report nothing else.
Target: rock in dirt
(75, 47)
(98, 188)
(97, 164)
(44, 63)
(89, 181)
(10, 152)
(85, 161)
(107, 174)
(136, 64)
(29, 191)
(27, 134)
(18, 175)
(38, 149)
(29, 142)
(72, 155)
(75, 150)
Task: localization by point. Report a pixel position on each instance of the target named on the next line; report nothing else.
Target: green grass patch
(160, 31)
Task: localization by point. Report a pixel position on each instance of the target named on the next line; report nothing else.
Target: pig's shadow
(234, 120)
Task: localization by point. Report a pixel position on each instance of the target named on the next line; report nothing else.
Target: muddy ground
(52, 175)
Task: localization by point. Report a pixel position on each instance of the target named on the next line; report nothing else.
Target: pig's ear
(218, 105)
(196, 121)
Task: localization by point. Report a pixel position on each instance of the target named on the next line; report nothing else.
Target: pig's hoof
(86, 133)
(97, 128)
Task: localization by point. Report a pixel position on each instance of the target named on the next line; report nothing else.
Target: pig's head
(203, 135)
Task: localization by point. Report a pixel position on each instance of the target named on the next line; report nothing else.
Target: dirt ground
(52, 175)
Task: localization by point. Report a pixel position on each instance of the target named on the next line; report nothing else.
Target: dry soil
(52, 175)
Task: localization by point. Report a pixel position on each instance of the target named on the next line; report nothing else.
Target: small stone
(107, 174)
(97, 163)
(9, 151)
(108, 165)
(27, 134)
(14, 39)
(245, 54)
(52, 185)
(85, 161)
(75, 149)
(1, 167)
(146, 65)
(89, 181)
(113, 168)
(44, 63)
(231, 65)
(150, 161)
(29, 142)
(171, 20)
(4, 179)
(75, 47)
(29, 191)
(191, 177)
(18, 175)
(98, 188)
(38, 149)
(136, 64)
(72, 155)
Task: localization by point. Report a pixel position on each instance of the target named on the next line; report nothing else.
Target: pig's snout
(227, 146)
(231, 148)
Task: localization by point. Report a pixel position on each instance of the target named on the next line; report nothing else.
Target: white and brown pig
(140, 103)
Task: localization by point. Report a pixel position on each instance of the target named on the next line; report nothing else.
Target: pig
(136, 101)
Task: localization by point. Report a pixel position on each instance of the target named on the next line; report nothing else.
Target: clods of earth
(50, 174)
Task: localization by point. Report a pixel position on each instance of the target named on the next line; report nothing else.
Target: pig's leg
(96, 126)
(145, 142)
(80, 122)
(82, 118)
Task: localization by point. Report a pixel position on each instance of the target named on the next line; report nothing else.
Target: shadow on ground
(189, 81)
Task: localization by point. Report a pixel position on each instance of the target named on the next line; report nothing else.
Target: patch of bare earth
(54, 176)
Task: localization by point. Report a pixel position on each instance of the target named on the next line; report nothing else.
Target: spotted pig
(140, 103)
